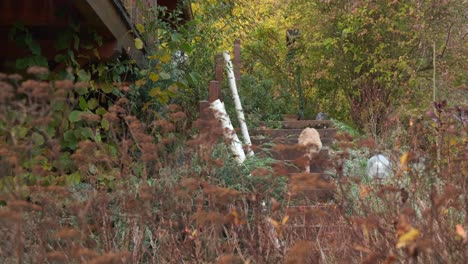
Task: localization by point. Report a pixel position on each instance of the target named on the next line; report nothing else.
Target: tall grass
(124, 191)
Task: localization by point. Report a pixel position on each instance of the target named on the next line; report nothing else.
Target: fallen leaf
(408, 237)
(461, 232)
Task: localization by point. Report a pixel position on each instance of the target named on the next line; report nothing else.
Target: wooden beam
(115, 18)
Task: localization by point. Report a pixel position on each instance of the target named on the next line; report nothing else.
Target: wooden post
(219, 68)
(237, 60)
(214, 91)
(204, 108)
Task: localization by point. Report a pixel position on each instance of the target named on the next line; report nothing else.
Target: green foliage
(343, 127)
(245, 179)
(368, 56)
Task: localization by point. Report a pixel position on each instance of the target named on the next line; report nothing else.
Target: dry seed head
(173, 107)
(7, 91)
(15, 77)
(178, 116)
(57, 256)
(112, 258)
(37, 70)
(67, 233)
(64, 84)
(89, 117)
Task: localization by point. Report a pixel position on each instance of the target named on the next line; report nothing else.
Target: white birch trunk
(237, 103)
(221, 115)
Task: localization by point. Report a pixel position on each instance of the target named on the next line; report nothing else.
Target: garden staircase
(281, 145)
(312, 213)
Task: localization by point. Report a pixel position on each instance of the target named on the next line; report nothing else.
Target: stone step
(301, 124)
(261, 140)
(288, 133)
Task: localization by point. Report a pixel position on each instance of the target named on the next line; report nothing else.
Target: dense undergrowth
(100, 186)
(109, 171)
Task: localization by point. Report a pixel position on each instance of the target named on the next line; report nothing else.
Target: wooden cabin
(47, 21)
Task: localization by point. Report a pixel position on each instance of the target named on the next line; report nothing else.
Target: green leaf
(101, 111)
(71, 54)
(60, 58)
(106, 88)
(74, 116)
(69, 135)
(20, 131)
(73, 179)
(82, 103)
(58, 106)
(70, 140)
(105, 124)
(63, 40)
(35, 48)
(138, 43)
(176, 37)
(92, 103)
(186, 48)
(83, 75)
(37, 139)
(65, 161)
(87, 132)
(165, 75)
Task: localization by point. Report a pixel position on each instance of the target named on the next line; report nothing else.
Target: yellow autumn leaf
(461, 232)
(364, 192)
(408, 237)
(453, 142)
(138, 43)
(153, 57)
(140, 28)
(403, 162)
(146, 106)
(404, 159)
(273, 222)
(237, 220)
(165, 58)
(154, 76)
(140, 82)
(154, 92)
(362, 248)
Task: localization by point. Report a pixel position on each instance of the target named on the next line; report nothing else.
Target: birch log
(221, 115)
(237, 103)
